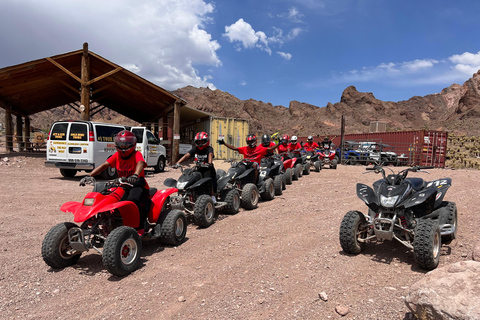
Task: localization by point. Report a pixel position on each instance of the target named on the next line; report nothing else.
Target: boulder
(451, 292)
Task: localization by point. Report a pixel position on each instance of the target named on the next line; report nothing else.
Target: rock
(341, 310)
(181, 299)
(323, 296)
(476, 252)
(451, 292)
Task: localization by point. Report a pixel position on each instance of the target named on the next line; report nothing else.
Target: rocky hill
(455, 109)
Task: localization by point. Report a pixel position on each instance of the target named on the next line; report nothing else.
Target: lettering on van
(109, 150)
(77, 136)
(105, 139)
(59, 135)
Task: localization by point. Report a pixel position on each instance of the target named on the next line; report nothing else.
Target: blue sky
(270, 50)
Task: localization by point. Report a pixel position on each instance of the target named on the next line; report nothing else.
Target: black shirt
(201, 155)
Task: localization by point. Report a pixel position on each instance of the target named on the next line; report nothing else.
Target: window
(139, 134)
(78, 132)
(151, 138)
(59, 131)
(107, 133)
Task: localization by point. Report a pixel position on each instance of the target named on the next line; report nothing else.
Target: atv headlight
(88, 202)
(388, 202)
(181, 185)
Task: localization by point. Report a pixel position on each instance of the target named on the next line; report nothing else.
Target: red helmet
(125, 143)
(285, 139)
(252, 140)
(202, 140)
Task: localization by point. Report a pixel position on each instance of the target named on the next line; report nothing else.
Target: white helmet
(294, 139)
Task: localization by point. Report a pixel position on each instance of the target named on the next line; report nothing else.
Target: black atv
(314, 159)
(193, 195)
(272, 167)
(409, 210)
(302, 164)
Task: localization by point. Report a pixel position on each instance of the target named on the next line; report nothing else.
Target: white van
(84, 145)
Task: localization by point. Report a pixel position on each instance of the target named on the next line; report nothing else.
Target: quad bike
(108, 225)
(314, 159)
(409, 210)
(193, 195)
(289, 168)
(302, 164)
(272, 167)
(328, 156)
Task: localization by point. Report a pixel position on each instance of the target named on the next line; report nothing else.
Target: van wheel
(160, 167)
(68, 173)
(109, 173)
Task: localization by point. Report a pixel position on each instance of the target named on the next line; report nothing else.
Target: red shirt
(126, 168)
(282, 148)
(295, 146)
(255, 154)
(310, 146)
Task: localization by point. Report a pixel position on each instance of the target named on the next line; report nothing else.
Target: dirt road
(268, 263)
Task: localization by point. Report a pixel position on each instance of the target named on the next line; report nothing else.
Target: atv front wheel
(171, 227)
(269, 193)
(353, 229)
(232, 198)
(288, 176)
(56, 249)
(278, 184)
(318, 166)
(204, 211)
(427, 244)
(306, 170)
(121, 252)
(334, 164)
(299, 169)
(250, 196)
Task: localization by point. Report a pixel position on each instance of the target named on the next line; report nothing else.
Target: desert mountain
(455, 109)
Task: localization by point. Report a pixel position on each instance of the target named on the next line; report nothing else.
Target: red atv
(327, 156)
(291, 172)
(108, 225)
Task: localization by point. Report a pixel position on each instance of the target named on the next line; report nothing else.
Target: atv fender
(170, 182)
(158, 202)
(199, 183)
(70, 206)
(245, 174)
(368, 196)
(419, 197)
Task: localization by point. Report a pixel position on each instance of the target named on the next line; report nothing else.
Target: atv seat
(220, 173)
(152, 191)
(417, 183)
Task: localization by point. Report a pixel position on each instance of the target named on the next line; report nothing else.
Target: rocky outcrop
(451, 292)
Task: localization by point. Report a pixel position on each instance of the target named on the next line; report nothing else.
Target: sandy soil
(268, 263)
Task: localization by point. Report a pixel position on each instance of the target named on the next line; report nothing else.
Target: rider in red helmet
(129, 164)
(283, 146)
(251, 151)
(202, 152)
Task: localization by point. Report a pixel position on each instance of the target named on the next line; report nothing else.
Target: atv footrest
(447, 229)
(76, 239)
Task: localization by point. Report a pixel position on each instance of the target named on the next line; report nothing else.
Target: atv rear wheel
(306, 170)
(121, 252)
(427, 244)
(333, 165)
(204, 211)
(318, 166)
(171, 227)
(288, 176)
(232, 198)
(299, 169)
(250, 196)
(56, 249)
(278, 184)
(352, 229)
(269, 193)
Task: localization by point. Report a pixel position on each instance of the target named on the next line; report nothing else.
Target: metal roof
(55, 81)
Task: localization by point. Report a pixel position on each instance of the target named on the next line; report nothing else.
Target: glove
(221, 142)
(132, 179)
(175, 166)
(86, 180)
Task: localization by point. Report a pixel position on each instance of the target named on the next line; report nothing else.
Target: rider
(203, 153)
(283, 145)
(327, 142)
(267, 142)
(310, 145)
(129, 164)
(294, 145)
(251, 151)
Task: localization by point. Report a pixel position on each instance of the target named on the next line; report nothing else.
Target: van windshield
(59, 131)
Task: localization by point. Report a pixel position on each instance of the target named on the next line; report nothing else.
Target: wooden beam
(19, 133)
(64, 69)
(8, 129)
(85, 92)
(103, 76)
(69, 86)
(101, 89)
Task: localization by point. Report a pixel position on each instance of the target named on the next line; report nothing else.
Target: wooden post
(85, 90)
(8, 129)
(27, 132)
(176, 130)
(342, 140)
(19, 134)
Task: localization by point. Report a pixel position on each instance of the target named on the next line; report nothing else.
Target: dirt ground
(269, 263)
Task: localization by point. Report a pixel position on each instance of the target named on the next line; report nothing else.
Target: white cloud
(294, 15)
(243, 83)
(284, 55)
(467, 63)
(243, 32)
(161, 40)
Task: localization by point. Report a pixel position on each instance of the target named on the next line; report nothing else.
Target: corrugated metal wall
(421, 147)
(234, 131)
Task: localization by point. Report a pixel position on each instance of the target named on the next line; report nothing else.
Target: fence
(37, 142)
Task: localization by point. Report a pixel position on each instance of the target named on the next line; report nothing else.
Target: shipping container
(421, 147)
(234, 131)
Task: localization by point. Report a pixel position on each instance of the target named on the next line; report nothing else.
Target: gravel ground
(269, 263)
